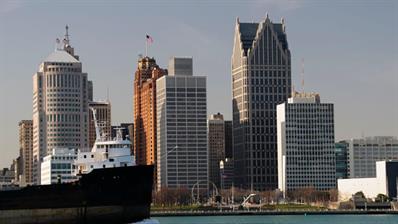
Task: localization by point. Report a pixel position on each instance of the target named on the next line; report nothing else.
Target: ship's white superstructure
(105, 153)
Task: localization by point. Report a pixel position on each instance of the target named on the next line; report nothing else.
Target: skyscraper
(103, 114)
(182, 130)
(216, 146)
(145, 110)
(341, 152)
(306, 150)
(26, 150)
(261, 79)
(60, 104)
(228, 139)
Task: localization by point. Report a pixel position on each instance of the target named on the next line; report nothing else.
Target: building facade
(306, 150)
(341, 151)
(364, 152)
(227, 173)
(26, 151)
(384, 182)
(261, 79)
(60, 105)
(216, 146)
(103, 114)
(57, 167)
(7, 177)
(145, 110)
(228, 139)
(182, 131)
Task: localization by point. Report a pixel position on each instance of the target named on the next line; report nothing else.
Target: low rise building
(57, 167)
(385, 182)
(7, 177)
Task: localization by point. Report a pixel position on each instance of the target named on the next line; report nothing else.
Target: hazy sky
(350, 50)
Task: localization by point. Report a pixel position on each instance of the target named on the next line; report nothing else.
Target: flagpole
(146, 48)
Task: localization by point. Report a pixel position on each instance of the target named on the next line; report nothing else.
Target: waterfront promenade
(267, 212)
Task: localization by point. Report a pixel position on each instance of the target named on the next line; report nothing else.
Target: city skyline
(354, 116)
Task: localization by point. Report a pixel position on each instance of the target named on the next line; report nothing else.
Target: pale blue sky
(350, 50)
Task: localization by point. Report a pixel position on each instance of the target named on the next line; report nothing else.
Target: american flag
(149, 39)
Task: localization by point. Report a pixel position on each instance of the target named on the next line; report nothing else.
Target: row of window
(64, 80)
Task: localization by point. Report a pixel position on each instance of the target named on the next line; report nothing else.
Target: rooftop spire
(302, 75)
(66, 32)
(66, 38)
(66, 41)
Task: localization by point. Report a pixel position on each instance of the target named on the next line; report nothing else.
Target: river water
(277, 219)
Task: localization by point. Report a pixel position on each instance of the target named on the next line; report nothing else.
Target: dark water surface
(279, 219)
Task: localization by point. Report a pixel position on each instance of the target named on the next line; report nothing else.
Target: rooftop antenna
(57, 42)
(66, 38)
(302, 75)
(67, 32)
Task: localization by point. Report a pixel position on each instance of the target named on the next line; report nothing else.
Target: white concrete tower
(305, 134)
(60, 104)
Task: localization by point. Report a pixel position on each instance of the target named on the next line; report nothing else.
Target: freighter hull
(111, 195)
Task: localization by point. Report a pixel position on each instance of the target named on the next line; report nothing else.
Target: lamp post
(222, 174)
(164, 156)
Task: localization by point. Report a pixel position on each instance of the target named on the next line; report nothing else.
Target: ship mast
(97, 128)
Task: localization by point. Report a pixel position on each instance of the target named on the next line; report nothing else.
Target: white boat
(106, 153)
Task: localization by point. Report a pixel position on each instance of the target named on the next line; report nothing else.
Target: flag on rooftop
(149, 39)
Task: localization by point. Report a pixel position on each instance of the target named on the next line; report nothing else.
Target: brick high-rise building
(261, 79)
(26, 150)
(145, 110)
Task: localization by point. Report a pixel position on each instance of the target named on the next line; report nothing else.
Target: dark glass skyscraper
(261, 79)
(341, 151)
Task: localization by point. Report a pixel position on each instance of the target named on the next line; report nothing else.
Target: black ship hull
(110, 195)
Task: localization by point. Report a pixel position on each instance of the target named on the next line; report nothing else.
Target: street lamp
(222, 173)
(164, 156)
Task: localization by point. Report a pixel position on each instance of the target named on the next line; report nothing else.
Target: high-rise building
(90, 90)
(306, 156)
(26, 150)
(261, 79)
(341, 152)
(182, 131)
(60, 104)
(216, 146)
(103, 114)
(228, 139)
(363, 153)
(181, 66)
(145, 110)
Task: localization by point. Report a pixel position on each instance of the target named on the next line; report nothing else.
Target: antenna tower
(302, 75)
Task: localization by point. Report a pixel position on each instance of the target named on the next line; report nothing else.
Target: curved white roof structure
(61, 56)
